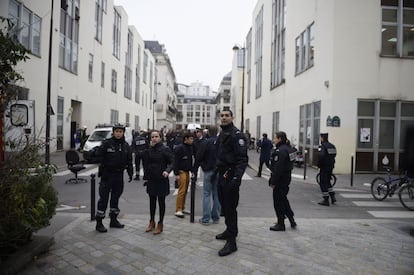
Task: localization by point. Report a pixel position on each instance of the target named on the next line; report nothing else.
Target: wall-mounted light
(326, 83)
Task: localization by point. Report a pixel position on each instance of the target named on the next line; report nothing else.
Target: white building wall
(84, 102)
(347, 58)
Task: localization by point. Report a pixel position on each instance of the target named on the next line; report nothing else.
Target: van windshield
(100, 135)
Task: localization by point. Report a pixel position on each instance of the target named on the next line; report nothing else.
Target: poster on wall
(365, 135)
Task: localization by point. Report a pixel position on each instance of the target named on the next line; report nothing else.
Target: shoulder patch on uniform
(241, 142)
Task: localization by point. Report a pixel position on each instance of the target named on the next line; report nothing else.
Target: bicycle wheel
(406, 195)
(333, 180)
(379, 188)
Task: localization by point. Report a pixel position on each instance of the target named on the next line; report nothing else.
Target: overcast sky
(198, 34)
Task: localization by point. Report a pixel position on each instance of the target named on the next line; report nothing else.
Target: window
(144, 77)
(305, 50)
(90, 67)
(102, 74)
(128, 67)
(127, 119)
(275, 123)
(69, 35)
(138, 76)
(99, 10)
(278, 43)
(27, 26)
(136, 123)
(114, 116)
(397, 28)
(259, 52)
(116, 51)
(113, 81)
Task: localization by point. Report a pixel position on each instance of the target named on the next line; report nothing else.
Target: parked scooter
(299, 161)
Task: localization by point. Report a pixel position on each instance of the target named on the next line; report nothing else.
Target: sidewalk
(317, 246)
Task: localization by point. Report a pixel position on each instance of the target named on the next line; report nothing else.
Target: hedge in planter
(28, 199)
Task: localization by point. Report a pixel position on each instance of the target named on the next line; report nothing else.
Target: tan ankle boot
(150, 226)
(159, 228)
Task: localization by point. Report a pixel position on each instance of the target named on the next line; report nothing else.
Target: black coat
(281, 165)
(115, 155)
(156, 160)
(326, 156)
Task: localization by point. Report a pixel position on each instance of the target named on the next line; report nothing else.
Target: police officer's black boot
(279, 226)
(332, 195)
(114, 222)
(229, 247)
(324, 201)
(292, 222)
(99, 225)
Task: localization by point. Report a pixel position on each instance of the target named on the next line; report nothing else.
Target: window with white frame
(278, 43)
(128, 67)
(27, 26)
(69, 35)
(114, 76)
(116, 39)
(275, 123)
(102, 74)
(114, 116)
(397, 30)
(127, 115)
(305, 49)
(99, 11)
(138, 77)
(145, 68)
(136, 123)
(259, 52)
(90, 67)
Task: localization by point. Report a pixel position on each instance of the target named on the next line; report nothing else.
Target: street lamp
(48, 94)
(153, 113)
(238, 52)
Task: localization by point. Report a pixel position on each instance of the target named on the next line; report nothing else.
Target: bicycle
(382, 188)
(406, 194)
(333, 178)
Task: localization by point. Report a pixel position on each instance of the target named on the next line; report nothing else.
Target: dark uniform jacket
(183, 158)
(115, 155)
(281, 164)
(206, 155)
(326, 156)
(232, 151)
(265, 149)
(140, 144)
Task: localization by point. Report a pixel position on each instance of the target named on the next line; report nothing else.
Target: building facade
(342, 67)
(195, 109)
(100, 70)
(165, 104)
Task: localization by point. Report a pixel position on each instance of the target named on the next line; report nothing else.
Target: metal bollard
(304, 164)
(193, 187)
(352, 170)
(93, 214)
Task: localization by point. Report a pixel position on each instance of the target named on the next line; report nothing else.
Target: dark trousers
(153, 206)
(281, 203)
(261, 162)
(325, 182)
(228, 194)
(111, 184)
(138, 159)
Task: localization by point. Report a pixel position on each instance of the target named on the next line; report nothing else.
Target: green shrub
(28, 199)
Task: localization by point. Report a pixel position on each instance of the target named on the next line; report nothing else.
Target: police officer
(326, 163)
(231, 163)
(115, 156)
(139, 145)
(281, 165)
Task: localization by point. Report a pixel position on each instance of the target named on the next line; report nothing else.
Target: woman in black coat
(157, 162)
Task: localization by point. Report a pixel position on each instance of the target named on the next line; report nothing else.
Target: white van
(100, 134)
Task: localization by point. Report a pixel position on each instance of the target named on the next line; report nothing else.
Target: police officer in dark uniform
(281, 165)
(326, 163)
(115, 156)
(231, 163)
(139, 145)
